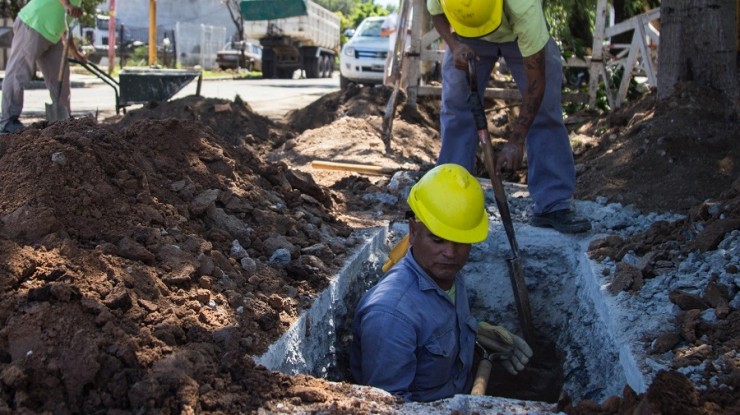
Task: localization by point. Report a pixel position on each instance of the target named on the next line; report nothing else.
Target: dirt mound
(661, 157)
(232, 121)
(362, 102)
(143, 263)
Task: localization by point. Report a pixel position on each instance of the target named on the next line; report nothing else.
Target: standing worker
(486, 30)
(38, 33)
(413, 334)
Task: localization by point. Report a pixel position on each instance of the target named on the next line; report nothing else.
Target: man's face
(440, 258)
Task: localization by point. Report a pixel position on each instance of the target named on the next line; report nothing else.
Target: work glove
(510, 349)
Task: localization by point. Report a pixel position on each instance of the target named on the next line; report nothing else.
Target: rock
(686, 301)
(687, 324)
(320, 250)
(691, 356)
(203, 201)
(712, 235)
(180, 265)
(305, 183)
(118, 298)
(626, 277)
(275, 242)
(665, 342)
(128, 248)
(231, 224)
(237, 251)
(718, 297)
(249, 266)
(280, 258)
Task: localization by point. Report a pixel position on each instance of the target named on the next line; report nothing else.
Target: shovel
(55, 111)
(514, 262)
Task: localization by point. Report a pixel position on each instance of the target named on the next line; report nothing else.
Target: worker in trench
(486, 30)
(413, 332)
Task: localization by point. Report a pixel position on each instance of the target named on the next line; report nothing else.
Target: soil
(145, 258)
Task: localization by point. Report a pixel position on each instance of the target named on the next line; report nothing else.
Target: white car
(362, 60)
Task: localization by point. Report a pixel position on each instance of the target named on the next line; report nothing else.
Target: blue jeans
(551, 174)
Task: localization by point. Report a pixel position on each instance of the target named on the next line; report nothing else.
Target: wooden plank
(353, 167)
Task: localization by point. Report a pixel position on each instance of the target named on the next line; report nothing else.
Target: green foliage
(139, 56)
(560, 16)
(572, 22)
(364, 10)
(357, 15)
(344, 6)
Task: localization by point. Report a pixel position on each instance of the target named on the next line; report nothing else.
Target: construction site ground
(145, 258)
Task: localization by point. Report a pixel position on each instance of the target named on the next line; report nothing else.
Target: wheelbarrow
(142, 85)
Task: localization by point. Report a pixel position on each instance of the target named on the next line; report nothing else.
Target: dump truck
(294, 34)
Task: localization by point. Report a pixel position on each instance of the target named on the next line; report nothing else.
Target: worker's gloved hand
(510, 349)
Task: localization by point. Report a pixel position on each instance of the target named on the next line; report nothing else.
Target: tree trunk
(697, 44)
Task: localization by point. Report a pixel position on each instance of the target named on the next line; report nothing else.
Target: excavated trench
(579, 350)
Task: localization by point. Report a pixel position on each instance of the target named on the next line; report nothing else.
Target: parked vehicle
(243, 54)
(294, 34)
(362, 60)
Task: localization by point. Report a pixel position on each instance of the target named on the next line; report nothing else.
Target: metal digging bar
(514, 262)
(398, 51)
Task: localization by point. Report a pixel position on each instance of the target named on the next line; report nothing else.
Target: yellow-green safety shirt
(47, 17)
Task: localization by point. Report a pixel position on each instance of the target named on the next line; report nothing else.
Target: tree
(236, 17)
(697, 44)
(346, 7)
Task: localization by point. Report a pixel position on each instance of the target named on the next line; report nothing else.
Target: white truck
(294, 34)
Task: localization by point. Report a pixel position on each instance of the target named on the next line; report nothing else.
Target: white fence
(197, 44)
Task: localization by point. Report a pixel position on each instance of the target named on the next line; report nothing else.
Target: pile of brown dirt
(143, 261)
(661, 156)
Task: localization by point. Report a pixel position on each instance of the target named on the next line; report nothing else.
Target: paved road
(270, 97)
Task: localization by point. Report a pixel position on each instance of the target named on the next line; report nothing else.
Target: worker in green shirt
(38, 38)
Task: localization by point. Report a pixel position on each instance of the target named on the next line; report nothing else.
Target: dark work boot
(13, 125)
(563, 220)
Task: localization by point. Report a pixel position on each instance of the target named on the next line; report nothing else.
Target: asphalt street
(269, 97)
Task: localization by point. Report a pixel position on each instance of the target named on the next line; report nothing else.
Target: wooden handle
(481, 377)
(357, 168)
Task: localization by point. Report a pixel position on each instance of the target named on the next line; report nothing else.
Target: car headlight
(349, 51)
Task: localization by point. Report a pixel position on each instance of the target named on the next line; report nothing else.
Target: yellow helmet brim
(463, 26)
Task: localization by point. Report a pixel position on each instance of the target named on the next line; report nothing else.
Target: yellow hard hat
(449, 202)
(473, 18)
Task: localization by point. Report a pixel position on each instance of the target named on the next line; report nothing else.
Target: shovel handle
(481, 377)
(515, 265)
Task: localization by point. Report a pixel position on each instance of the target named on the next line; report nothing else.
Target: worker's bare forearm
(71, 9)
(442, 25)
(534, 67)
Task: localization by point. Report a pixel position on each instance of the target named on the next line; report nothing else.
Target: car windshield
(369, 28)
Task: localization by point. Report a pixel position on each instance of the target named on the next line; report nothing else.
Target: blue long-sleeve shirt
(410, 339)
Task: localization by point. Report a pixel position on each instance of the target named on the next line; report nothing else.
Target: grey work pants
(30, 47)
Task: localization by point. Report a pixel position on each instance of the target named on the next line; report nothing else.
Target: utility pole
(112, 36)
(152, 32)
